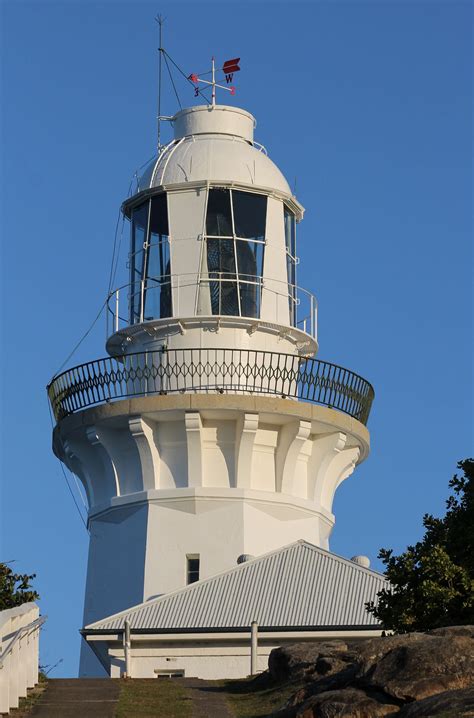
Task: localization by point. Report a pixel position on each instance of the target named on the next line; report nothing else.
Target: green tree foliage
(432, 582)
(15, 588)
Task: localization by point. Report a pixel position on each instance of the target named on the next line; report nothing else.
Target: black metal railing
(224, 371)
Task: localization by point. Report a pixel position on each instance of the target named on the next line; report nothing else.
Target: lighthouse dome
(214, 144)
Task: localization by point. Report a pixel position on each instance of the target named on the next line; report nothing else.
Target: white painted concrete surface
(19, 653)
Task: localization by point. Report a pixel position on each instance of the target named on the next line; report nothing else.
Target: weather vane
(228, 68)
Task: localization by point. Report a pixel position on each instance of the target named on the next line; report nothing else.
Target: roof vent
(244, 557)
(363, 561)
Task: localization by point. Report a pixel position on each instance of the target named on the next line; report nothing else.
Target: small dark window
(192, 568)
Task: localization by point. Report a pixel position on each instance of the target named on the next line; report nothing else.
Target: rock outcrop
(411, 676)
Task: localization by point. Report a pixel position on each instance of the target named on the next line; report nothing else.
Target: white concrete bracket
(79, 468)
(331, 462)
(142, 432)
(104, 456)
(246, 430)
(193, 426)
(292, 440)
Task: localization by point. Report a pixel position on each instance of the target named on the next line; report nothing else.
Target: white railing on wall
(19, 653)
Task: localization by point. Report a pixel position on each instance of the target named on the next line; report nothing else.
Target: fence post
(14, 694)
(23, 657)
(5, 669)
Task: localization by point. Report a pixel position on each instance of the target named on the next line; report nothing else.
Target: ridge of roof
(239, 567)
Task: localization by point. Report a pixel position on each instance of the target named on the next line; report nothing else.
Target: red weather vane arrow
(228, 68)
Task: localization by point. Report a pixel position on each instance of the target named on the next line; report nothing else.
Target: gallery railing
(224, 371)
(283, 303)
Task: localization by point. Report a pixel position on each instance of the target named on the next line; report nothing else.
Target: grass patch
(27, 704)
(257, 697)
(153, 697)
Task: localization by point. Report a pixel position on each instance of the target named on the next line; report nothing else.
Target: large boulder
(452, 631)
(397, 675)
(297, 661)
(348, 703)
(454, 704)
(415, 666)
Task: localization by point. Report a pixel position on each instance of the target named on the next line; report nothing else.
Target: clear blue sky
(368, 106)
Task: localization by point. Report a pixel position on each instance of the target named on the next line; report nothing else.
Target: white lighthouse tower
(209, 433)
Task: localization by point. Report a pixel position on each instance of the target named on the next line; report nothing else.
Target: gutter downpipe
(253, 648)
(127, 648)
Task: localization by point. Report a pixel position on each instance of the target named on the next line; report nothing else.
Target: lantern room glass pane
(159, 216)
(290, 242)
(235, 264)
(139, 233)
(221, 268)
(250, 270)
(150, 284)
(219, 216)
(250, 214)
(157, 292)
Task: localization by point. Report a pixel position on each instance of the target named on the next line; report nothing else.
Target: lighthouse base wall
(139, 551)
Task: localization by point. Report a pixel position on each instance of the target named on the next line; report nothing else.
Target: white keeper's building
(211, 441)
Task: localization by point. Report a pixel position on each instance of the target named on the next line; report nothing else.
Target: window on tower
(192, 568)
(235, 242)
(150, 271)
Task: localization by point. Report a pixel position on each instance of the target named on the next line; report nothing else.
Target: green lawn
(256, 698)
(247, 698)
(153, 698)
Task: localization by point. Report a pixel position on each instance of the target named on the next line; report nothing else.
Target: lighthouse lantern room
(213, 245)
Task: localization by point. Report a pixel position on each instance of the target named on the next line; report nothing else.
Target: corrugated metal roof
(296, 586)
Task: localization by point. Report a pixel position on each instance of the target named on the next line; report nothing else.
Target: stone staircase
(78, 698)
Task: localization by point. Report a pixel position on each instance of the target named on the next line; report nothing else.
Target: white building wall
(199, 661)
(209, 658)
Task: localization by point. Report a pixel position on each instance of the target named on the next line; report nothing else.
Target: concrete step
(78, 698)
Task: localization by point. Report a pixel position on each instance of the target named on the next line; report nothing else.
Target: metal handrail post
(117, 299)
(142, 300)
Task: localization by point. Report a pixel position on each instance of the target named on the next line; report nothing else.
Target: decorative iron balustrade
(224, 371)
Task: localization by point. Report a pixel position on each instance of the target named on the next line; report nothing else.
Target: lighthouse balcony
(211, 371)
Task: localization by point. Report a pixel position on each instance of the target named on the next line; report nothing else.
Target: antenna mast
(213, 82)
(160, 20)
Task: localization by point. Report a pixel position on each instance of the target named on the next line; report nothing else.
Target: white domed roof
(214, 145)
